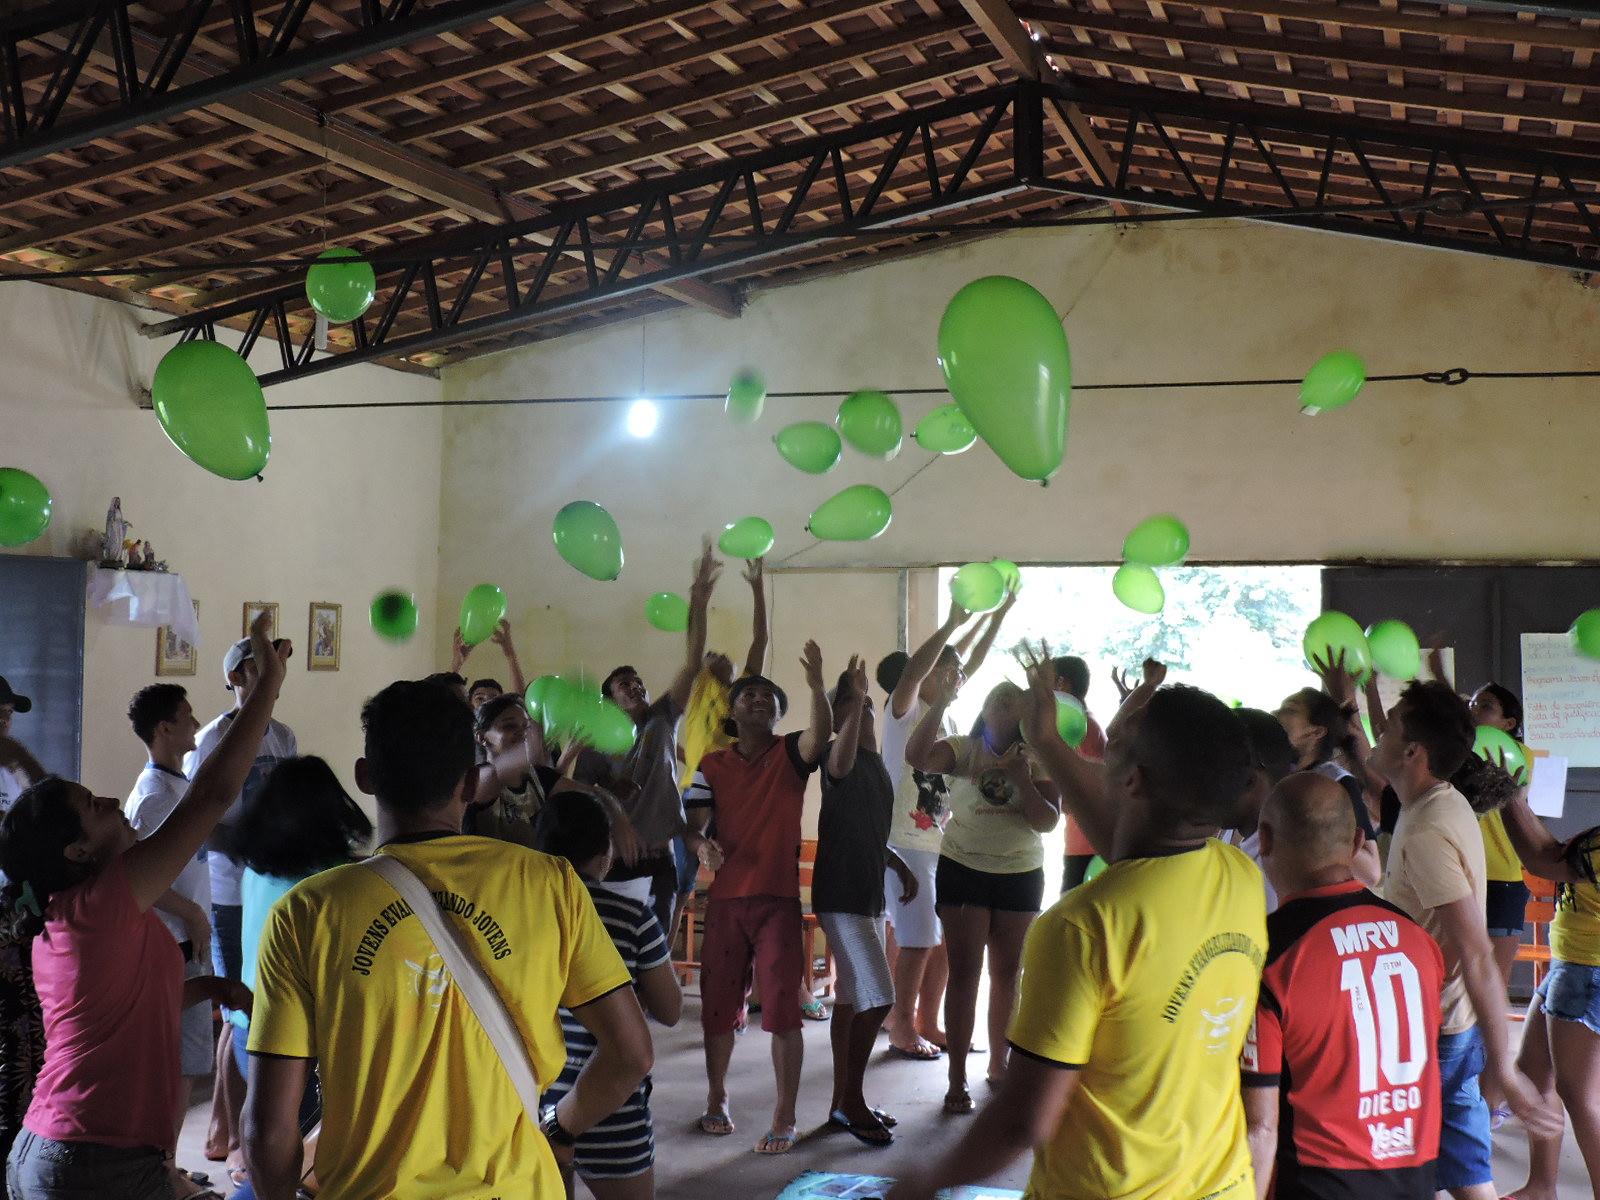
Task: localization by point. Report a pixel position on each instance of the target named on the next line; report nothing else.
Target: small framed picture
(174, 656)
(253, 609)
(322, 637)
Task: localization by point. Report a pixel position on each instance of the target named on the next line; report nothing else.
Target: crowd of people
(1287, 976)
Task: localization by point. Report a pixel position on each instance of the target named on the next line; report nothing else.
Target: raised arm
(922, 661)
(458, 651)
(755, 574)
(502, 637)
(815, 738)
(926, 749)
(991, 628)
(706, 570)
(14, 754)
(842, 758)
(1039, 802)
(1539, 849)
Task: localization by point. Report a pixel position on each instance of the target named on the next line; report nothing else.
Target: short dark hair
(151, 706)
(418, 744)
(1322, 709)
(890, 668)
(1194, 754)
(298, 822)
(491, 709)
(485, 683)
(573, 826)
(34, 835)
(1510, 704)
(1074, 673)
(1438, 720)
(616, 674)
(1270, 749)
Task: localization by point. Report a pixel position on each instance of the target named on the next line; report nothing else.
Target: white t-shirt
(155, 794)
(920, 811)
(277, 745)
(12, 784)
(1252, 846)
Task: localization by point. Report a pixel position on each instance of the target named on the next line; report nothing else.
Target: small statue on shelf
(148, 562)
(113, 546)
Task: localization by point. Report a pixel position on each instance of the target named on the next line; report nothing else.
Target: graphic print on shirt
(1220, 1021)
(931, 811)
(995, 787)
(389, 918)
(431, 979)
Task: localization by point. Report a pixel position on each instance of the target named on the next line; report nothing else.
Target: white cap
(238, 653)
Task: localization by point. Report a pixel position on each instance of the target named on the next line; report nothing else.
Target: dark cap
(748, 681)
(21, 703)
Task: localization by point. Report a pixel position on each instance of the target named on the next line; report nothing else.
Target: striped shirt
(639, 940)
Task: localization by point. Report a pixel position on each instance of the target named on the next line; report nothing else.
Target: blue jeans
(41, 1168)
(1464, 1139)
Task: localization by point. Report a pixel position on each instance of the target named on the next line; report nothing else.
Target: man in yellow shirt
(1139, 986)
(416, 1102)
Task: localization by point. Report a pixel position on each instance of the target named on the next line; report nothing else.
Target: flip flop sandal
(814, 1011)
(715, 1124)
(777, 1143)
(889, 1122)
(920, 1054)
(870, 1135)
(959, 1104)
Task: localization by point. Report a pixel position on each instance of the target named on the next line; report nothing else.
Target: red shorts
(751, 938)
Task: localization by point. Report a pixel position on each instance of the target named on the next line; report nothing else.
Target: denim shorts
(41, 1168)
(1571, 992)
(1464, 1138)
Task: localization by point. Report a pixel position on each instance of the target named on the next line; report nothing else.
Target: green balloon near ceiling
(339, 290)
(1072, 721)
(747, 396)
(1160, 541)
(870, 421)
(856, 514)
(1585, 634)
(1499, 747)
(393, 615)
(978, 587)
(810, 445)
(1137, 586)
(24, 507)
(748, 537)
(209, 402)
(1007, 365)
(482, 609)
(1394, 648)
(588, 539)
(946, 430)
(1333, 381)
(668, 612)
(1009, 574)
(1333, 634)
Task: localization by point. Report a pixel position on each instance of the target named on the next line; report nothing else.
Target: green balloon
(1096, 866)
(393, 615)
(1333, 381)
(1394, 649)
(1009, 574)
(809, 445)
(1585, 634)
(856, 514)
(945, 430)
(1072, 722)
(341, 291)
(1136, 586)
(747, 396)
(1161, 541)
(24, 507)
(563, 702)
(870, 422)
(602, 724)
(210, 404)
(668, 612)
(1007, 365)
(589, 540)
(1333, 634)
(748, 537)
(538, 694)
(1499, 747)
(481, 611)
(978, 587)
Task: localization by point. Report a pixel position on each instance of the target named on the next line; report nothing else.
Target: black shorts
(1506, 907)
(956, 885)
(1073, 868)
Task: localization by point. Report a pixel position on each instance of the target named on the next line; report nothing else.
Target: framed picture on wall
(252, 609)
(322, 637)
(174, 656)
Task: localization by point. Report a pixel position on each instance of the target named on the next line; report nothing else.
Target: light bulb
(643, 417)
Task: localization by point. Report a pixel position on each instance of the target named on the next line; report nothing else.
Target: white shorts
(197, 1038)
(857, 943)
(916, 925)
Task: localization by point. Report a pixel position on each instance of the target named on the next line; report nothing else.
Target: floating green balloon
(210, 404)
(538, 695)
(1333, 634)
(1395, 650)
(1160, 541)
(1009, 574)
(1333, 381)
(856, 514)
(1585, 634)
(602, 724)
(1136, 586)
(559, 703)
(481, 612)
(870, 422)
(24, 507)
(589, 540)
(747, 396)
(946, 430)
(810, 445)
(748, 537)
(341, 291)
(393, 615)
(668, 612)
(1096, 866)
(978, 587)
(1072, 721)
(1499, 747)
(1006, 362)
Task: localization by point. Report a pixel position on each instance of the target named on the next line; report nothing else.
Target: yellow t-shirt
(988, 830)
(1500, 860)
(701, 731)
(415, 1100)
(1575, 931)
(1145, 980)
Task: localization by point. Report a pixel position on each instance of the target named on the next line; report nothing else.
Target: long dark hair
(1510, 705)
(34, 836)
(298, 822)
(1322, 709)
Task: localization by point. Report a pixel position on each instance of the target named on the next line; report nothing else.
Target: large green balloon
(1500, 748)
(1072, 722)
(747, 396)
(1006, 362)
(24, 507)
(481, 611)
(1137, 586)
(1585, 634)
(1333, 381)
(210, 404)
(602, 724)
(1161, 541)
(870, 422)
(558, 703)
(946, 430)
(978, 587)
(341, 291)
(668, 612)
(589, 540)
(1009, 574)
(810, 445)
(1395, 650)
(856, 514)
(538, 695)
(748, 537)
(393, 615)
(1334, 633)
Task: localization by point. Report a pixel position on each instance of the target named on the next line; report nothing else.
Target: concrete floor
(692, 1166)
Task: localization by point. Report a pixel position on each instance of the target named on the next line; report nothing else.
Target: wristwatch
(550, 1126)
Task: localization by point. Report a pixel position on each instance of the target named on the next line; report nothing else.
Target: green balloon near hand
(1009, 574)
(1097, 866)
(810, 445)
(482, 610)
(341, 291)
(1395, 650)
(978, 587)
(946, 430)
(1333, 381)
(1585, 634)
(1500, 748)
(748, 537)
(589, 540)
(1160, 541)
(856, 514)
(604, 725)
(210, 404)
(1137, 586)
(1334, 634)
(393, 615)
(563, 701)
(24, 507)
(1072, 721)
(870, 422)
(668, 612)
(747, 396)
(538, 694)
(1007, 365)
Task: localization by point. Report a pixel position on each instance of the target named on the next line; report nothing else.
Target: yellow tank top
(1499, 858)
(1575, 932)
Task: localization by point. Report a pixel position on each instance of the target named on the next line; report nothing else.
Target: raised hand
(1155, 673)
(1119, 677)
(755, 572)
(811, 664)
(707, 569)
(458, 651)
(271, 660)
(857, 672)
(958, 614)
(502, 634)
(1336, 679)
(1039, 716)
